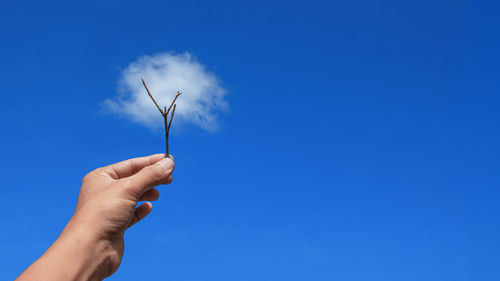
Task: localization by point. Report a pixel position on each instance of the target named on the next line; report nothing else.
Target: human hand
(109, 195)
(106, 208)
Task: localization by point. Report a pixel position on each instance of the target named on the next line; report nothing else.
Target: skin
(91, 245)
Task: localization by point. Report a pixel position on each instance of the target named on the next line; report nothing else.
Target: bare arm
(91, 245)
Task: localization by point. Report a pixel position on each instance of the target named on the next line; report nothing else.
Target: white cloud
(165, 74)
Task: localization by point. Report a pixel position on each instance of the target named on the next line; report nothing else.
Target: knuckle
(87, 177)
(126, 183)
(128, 186)
(155, 172)
(92, 174)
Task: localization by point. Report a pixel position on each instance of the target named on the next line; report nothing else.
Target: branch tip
(151, 96)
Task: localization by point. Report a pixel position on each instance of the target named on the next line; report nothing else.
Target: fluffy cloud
(165, 74)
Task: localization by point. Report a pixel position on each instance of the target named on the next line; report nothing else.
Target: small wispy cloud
(165, 74)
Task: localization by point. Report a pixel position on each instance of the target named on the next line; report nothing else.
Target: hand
(109, 195)
(106, 208)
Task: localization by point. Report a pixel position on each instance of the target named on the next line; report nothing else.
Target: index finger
(130, 167)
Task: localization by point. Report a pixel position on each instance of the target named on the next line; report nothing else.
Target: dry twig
(151, 96)
(164, 113)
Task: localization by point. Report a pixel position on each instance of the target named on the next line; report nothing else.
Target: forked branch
(164, 113)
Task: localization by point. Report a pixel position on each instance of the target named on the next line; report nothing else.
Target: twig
(171, 117)
(164, 113)
(176, 96)
(151, 96)
(166, 134)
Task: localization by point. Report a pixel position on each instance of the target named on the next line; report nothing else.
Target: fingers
(141, 212)
(150, 195)
(130, 167)
(167, 181)
(151, 176)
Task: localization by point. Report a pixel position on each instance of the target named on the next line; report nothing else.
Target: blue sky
(362, 140)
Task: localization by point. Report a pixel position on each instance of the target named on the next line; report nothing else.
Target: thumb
(151, 175)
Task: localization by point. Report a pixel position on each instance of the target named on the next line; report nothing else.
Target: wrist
(75, 255)
(92, 255)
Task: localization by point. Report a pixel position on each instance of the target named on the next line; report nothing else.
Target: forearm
(75, 255)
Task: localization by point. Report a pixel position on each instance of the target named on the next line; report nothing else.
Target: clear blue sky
(362, 141)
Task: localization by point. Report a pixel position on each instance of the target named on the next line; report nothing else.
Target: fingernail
(167, 163)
